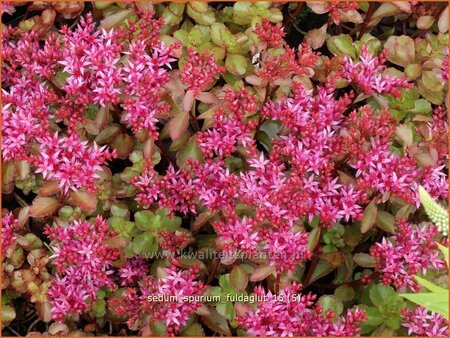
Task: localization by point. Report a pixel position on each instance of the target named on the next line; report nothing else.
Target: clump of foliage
(248, 168)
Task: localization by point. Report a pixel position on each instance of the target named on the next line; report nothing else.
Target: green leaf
(261, 273)
(144, 243)
(178, 125)
(344, 293)
(431, 301)
(159, 328)
(374, 316)
(227, 287)
(430, 286)
(386, 221)
(369, 216)
(444, 251)
(329, 302)
(379, 294)
(341, 45)
(191, 150)
(364, 260)
(217, 322)
(238, 278)
(227, 310)
(241, 12)
(393, 321)
(8, 314)
(145, 220)
(121, 225)
(236, 64)
(99, 308)
(314, 238)
(119, 210)
(193, 330)
(401, 50)
(421, 106)
(322, 269)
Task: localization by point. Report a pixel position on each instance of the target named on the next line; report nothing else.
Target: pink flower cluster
(301, 176)
(412, 250)
(286, 249)
(337, 8)
(170, 299)
(367, 74)
(134, 269)
(422, 322)
(230, 128)
(80, 69)
(310, 146)
(173, 241)
(9, 224)
(290, 63)
(83, 261)
(71, 161)
(25, 118)
(199, 71)
(174, 191)
(367, 140)
(292, 314)
(90, 58)
(140, 73)
(269, 33)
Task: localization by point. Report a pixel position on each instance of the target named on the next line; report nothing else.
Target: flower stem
(367, 19)
(291, 17)
(213, 270)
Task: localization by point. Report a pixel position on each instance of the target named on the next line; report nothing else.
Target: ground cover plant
(238, 169)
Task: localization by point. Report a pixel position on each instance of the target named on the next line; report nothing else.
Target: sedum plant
(236, 169)
(436, 299)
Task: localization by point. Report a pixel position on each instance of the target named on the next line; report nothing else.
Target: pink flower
(367, 74)
(387, 173)
(436, 138)
(237, 235)
(174, 191)
(199, 71)
(292, 314)
(9, 225)
(71, 161)
(172, 299)
(144, 76)
(216, 187)
(174, 241)
(368, 136)
(84, 260)
(422, 322)
(286, 249)
(7, 7)
(25, 118)
(230, 128)
(225, 135)
(288, 64)
(337, 8)
(272, 34)
(91, 59)
(240, 102)
(29, 56)
(133, 269)
(407, 253)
